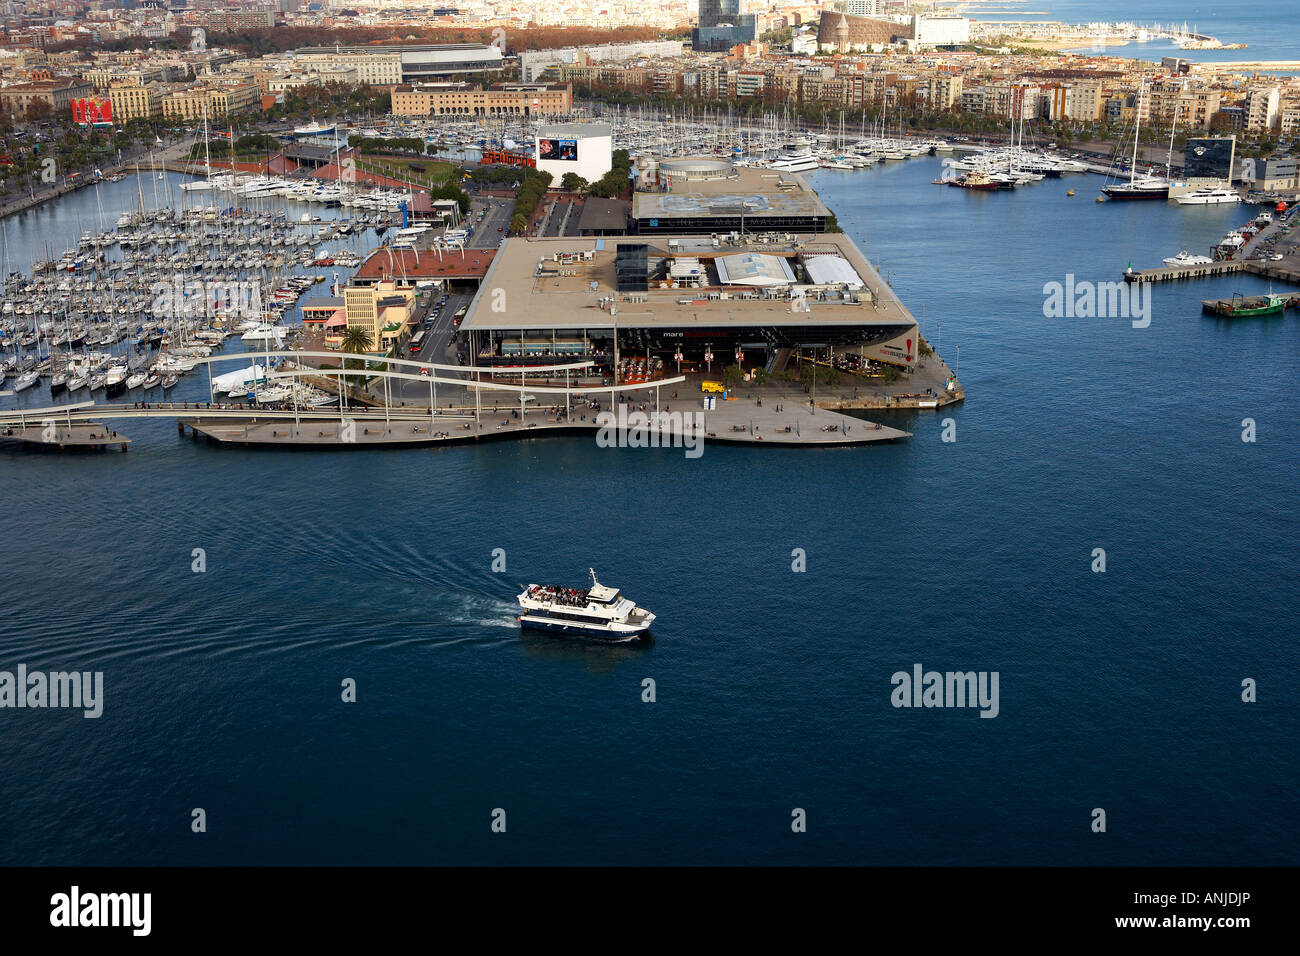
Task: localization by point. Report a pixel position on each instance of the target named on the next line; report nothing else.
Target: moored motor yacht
(1186, 258)
(1208, 196)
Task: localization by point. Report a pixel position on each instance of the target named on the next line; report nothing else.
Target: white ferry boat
(598, 612)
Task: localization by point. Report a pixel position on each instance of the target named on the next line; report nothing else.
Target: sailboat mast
(1137, 129)
(1169, 159)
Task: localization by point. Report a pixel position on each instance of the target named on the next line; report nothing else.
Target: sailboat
(205, 183)
(1145, 187)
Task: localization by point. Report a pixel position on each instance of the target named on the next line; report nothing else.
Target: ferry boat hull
(575, 629)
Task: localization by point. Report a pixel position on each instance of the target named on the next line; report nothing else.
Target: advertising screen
(92, 111)
(557, 149)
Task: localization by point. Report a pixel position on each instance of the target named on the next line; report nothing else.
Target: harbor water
(227, 594)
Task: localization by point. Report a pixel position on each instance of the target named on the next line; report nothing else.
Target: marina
(330, 553)
(132, 307)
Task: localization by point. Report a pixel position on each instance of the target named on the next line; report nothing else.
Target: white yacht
(598, 612)
(264, 333)
(28, 379)
(313, 129)
(797, 158)
(1208, 196)
(272, 393)
(1185, 258)
(259, 188)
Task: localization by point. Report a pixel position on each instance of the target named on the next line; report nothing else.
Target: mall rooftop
(707, 195)
(681, 281)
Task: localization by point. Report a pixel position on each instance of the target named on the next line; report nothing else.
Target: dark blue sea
(1119, 690)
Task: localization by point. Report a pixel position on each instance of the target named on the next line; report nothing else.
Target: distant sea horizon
(1267, 27)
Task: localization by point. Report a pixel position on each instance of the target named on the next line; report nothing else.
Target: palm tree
(356, 340)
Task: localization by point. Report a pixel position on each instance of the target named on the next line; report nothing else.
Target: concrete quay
(1172, 273)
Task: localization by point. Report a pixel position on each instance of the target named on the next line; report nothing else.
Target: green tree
(732, 375)
(358, 341)
(572, 182)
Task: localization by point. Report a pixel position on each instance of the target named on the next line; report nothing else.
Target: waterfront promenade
(738, 421)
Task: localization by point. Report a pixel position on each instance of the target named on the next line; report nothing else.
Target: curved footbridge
(541, 410)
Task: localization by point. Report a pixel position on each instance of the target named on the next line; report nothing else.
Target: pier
(1173, 273)
(52, 434)
(1254, 258)
(528, 410)
(738, 421)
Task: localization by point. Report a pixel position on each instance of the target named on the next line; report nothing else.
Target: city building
(55, 94)
(231, 21)
(583, 148)
(373, 68)
(723, 25)
(134, 100)
(1209, 159)
(1270, 174)
(938, 31)
(694, 302)
(211, 101)
(1262, 108)
(462, 99)
(418, 62)
(703, 196)
(1290, 120)
(384, 309)
(841, 33)
(533, 63)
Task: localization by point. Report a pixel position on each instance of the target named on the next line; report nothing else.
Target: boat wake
(469, 619)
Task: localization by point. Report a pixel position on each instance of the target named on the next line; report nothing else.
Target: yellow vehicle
(712, 387)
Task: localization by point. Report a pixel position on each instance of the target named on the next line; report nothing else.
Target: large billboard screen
(1209, 158)
(566, 149)
(92, 111)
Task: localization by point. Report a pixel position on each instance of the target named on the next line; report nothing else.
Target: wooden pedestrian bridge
(541, 408)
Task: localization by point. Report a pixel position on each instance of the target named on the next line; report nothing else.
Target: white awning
(833, 270)
(753, 268)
